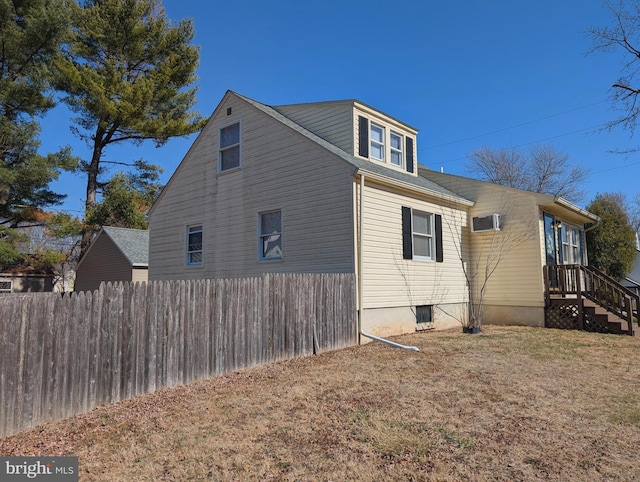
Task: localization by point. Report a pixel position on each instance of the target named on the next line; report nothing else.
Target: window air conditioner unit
(492, 222)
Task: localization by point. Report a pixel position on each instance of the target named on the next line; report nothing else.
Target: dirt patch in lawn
(509, 404)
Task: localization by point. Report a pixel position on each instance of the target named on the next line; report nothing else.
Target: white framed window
(229, 153)
(194, 245)
(270, 236)
(6, 286)
(570, 245)
(377, 142)
(422, 234)
(395, 145)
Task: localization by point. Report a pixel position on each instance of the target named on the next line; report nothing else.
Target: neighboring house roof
(132, 243)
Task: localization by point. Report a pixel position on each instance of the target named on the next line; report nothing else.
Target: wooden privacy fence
(61, 356)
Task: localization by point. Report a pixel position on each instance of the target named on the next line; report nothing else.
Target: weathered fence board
(62, 355)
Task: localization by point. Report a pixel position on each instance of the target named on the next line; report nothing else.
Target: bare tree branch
(543, 169)
(623, 35)
(481, 261)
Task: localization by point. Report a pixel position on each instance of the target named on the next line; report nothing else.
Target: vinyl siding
(518, 279)
(140, 275)
(103, 262)
(388, 280)
(330, 121)
(28, 283)
(281, 170)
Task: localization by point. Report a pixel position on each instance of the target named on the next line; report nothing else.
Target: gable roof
(360, 166)
(554, 204)
(348, 102)
(132, 243)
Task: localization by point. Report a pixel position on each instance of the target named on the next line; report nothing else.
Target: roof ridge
(357, 164)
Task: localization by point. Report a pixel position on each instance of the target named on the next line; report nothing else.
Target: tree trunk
(92, 175)
(92, 188)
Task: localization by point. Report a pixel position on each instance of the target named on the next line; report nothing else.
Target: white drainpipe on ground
(389, 342)
(360, 291)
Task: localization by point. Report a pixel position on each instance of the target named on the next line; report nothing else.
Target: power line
(535, 142)
(617, 167)
(513, 126)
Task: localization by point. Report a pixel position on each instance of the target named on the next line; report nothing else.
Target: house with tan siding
(17, 282)
(336, 187)
(115, 254)
(549, 231)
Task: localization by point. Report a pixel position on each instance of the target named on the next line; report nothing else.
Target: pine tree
(128, 73)
(126, 199)
(31, 32)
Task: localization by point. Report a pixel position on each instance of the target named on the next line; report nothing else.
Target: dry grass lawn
(509, 404)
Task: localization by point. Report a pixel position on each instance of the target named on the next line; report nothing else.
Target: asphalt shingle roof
(359, 164)
(134, 243)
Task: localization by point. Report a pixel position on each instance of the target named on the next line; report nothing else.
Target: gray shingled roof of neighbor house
(134, 243)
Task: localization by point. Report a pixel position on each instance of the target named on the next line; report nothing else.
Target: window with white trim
(377, 142)
(570, 245)
(395, 144)
(270, 236)
(422, 235)
(229, 153)
(194, 245)
(6, 286)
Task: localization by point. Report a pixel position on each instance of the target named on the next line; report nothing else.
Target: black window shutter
(439, 255)
(409, 154)
(363, 136)
(407, 241)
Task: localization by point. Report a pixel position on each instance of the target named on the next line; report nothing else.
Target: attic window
(396, 149)
(229, 154)
(6, 286)
(228, 110)
(377, 142)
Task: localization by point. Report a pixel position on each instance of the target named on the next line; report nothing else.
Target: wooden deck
(584, 298)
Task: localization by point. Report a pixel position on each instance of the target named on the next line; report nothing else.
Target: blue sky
(466, 74)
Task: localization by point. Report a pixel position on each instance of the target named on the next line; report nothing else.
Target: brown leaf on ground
(509, 404)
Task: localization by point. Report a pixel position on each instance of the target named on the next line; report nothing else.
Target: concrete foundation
(385, 322)
(514, 315)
